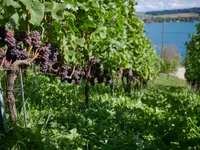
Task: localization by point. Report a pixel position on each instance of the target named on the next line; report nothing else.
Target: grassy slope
(171, 81)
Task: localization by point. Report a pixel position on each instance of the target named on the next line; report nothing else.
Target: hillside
(177, 15)
(195, 10)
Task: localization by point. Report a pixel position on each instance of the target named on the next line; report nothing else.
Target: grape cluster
(54, 53)
(16, 53)
(7, 36)
(119, 71)
(100, 78)
(23, 55)
(63, 72)
(24, 37)
(45, 53)
(77, 75)
(35, 40)
(128, 73)
(94, 71)
(69, 74)
(109, 81)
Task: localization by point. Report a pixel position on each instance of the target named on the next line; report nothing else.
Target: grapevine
(192, 64)
(94, 43)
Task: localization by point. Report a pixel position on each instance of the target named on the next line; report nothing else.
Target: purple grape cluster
(8, 37)
(45, 53)
(100, 78)
(35, 40)
(109, 81)
(54, 53)
(23, 55)
(77, 75)
(24, 37)
(16, 53)
(119, 71)
(70, 74)
(128, 73)
(94, 71)
(63, 72)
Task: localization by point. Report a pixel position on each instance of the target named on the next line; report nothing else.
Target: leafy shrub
(170, 58)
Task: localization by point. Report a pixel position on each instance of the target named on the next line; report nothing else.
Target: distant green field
(178, 15)
(165, 81)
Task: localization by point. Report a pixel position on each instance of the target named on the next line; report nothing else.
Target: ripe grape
(35, 39)
(8, 37)
(92, 81)
(69, 80)
(24, 37)
(109, 81)
(23, 55)
(87, 73)
(75, 75)
(94, 61)
(16, 53)
(96, 69)
(54, 53)
(63, 71)
(44, 58)
(78, 81)
(128, 73)
(119, 71)
(100, 78)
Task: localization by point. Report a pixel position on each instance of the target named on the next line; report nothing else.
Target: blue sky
(152, 5)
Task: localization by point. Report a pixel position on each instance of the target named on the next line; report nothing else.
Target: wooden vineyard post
(3, 126)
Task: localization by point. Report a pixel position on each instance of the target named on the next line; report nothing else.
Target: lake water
(176, 34)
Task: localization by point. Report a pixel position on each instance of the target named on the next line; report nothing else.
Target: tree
(170, 58)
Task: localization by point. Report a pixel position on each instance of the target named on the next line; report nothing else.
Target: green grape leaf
(72, 2)
(13, 3)
(48, 6)
(68, 14)
(37, 12)
(83, 6)
(71, 25)
(88, 22)
(14, 19)
(58, 11)
(27, 3)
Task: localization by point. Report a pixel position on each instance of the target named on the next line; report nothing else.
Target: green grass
(165, 81)
(165, 115)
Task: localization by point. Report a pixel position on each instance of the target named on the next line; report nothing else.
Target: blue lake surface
(175, 34)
